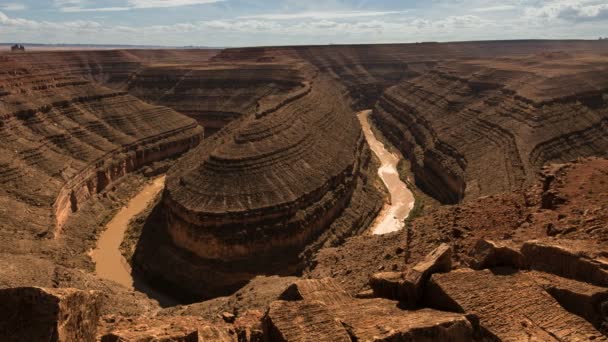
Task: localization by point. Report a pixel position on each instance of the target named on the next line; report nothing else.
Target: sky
(228, 23)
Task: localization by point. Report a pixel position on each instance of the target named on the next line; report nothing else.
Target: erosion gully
(110, 263)
(393, 215)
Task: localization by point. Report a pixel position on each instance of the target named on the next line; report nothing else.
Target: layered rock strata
(479, 127)
(320, 310)
(255, 195)
(213, 94)
(65, 139)
(510, 306)
(38, 314)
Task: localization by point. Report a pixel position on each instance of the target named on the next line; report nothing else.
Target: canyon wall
(478, 118)
(476, 128)
(65, 138)
(213, 94)
(249, 199)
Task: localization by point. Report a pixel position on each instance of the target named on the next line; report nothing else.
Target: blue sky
(276, 22)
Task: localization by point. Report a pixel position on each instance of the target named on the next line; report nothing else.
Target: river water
(392, 217)
(109, 262)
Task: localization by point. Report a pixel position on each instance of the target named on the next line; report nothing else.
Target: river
(392, 217)
(109, 262)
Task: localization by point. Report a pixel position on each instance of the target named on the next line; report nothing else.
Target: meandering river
(109, 262)
(392, 217)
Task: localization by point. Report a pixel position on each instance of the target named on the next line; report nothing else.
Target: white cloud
(13, 7)
(167, 3)
(76, 6)
(17, 22)
(99, 9)
(541, 19)
(495, 8)
(321, 15)
(570, 10)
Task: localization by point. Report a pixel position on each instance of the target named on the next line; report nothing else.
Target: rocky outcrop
(213, 94)
(580, 298)
(321, 311)
(74, 136)
(178, 328)
(408, 286)
(490, 254)
(469, 130)
(575, 259)
(509, 305)
(42, 314)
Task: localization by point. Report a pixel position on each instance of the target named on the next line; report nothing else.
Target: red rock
(165, 328)
(582, 260)
(509, 306)
(487, 254)
(586, 300)
(317, 315)
(44, 314)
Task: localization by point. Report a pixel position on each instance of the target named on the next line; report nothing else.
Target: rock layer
(37, 314)
(74, 136)
(262, 189)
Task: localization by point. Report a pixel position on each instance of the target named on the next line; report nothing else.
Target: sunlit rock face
(65, 138)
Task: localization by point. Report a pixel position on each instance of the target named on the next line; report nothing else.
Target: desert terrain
(405, 192)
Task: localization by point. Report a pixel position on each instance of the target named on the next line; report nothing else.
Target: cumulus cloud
(570, 10)
(445, 20)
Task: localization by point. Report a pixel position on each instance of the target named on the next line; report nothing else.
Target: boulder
(44, 314)
(488, 254)
(582, 260)
(408, 287)
(586, 300)
(389, 285)
(509, 305)
(306, 320)
(318, 316)
(325, 290)
(439, 260)
(249, 326)
(165, 328)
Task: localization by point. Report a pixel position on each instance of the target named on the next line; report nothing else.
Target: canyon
(285, 214)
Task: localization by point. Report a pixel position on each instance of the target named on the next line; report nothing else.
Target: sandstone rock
(324, 290)
(408, 287)
(317, 316)
(306, 320)
(509, 305)
(166, 328)
(249, 326)
(582, 260)
(583, 299)
(228, 317)
(488, 254)
(439, 260)
(389, 285)
(255, 195)
(43, 314)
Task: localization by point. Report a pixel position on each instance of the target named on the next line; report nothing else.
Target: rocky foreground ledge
(532, 291)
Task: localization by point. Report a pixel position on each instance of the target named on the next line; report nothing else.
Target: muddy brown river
(392, 217)
(109, 262)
